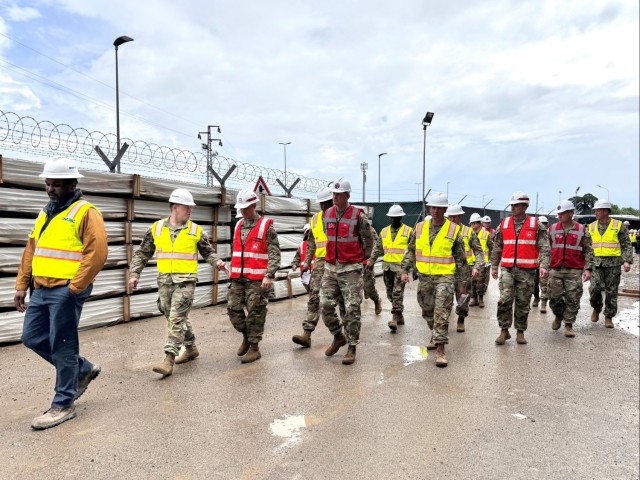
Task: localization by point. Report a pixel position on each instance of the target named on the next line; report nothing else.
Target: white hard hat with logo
(182, 196)
(454, 209)
(438, 200)
(324, 194)
(475, 217)
(486, 219)
(602, 204)
(519, 197)
(543, 219)
(565, 206)
(61, 167)
(245, 198)
(341, 186)
(395, 211)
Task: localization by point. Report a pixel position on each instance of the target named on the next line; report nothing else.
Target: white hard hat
(602, 204)
(341, 186)
(486, 219)
(306, 227)
(543, 219)
(324, 194)
(626, 222)
(61, 167)
(395, 211)
(182, 196)
(245, 198)
(565, 206)
(238, 214)
(454, 209)
(438, 200)
(475, 217)
(519, 197)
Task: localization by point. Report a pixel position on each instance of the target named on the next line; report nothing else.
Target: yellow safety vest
(483, 236)
(466, 233)
(394, 249)
(180, 256)
(319, 236)
(436, 259)
(58, 251)
(606, 245)
(633, 237)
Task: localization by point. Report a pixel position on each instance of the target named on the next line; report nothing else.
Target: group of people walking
(68, 247)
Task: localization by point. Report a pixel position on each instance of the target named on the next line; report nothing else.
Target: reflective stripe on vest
(483, 236)
(606, 245)
(465, 232)
(437, 259)
(343, 241)
(521, 251)
(394, 249)
(566, 250)
(317, 228)
(58, 250)
(250, 258)
(180, 255)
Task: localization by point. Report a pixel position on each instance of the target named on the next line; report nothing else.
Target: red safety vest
(250, 260)
(303, 254)
(343, 242)
(566, 250)
(523, 250)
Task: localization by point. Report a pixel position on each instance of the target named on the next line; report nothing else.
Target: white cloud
(22, 14)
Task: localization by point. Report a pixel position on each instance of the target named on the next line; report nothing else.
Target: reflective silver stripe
(505, 222)
(507, 260)
(59, 254)
(532, 261)
(509, 242)
(321, 244)
(606, 245)
(251, 271)
(570, 247)
(194, 228)
(439, 260)
(176, 256)
(74, 211)
(393, 250)
(384, 232)
(526, 242)
(532, 221)
(259, 256)
(419, 229)
(263, 225)
(159, 225)
(405, 231)
(452, 230)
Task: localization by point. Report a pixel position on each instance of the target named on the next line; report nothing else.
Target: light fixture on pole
(363, 167)
(379, 155)
(207, 148)
(117, 42)
(604, 188)
(284, 144)
(559, 196)
(426, 121)
(576, 194)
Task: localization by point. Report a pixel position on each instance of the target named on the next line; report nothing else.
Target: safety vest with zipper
(606, 245)
(436, 259)
(567, 249)
(521, 251)
(180, 255)
(250, 259)
(343, 242)
(394, 249)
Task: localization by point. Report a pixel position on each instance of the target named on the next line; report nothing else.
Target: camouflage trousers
(370, 286)
(607, 279)
(435, 297)
(479, 285)
(395, 290)
(462, 301)
(516, 286)
(348, 286)
(541, 287)
(174, 302)
(249, 295)
(313, 305)
(565, 291)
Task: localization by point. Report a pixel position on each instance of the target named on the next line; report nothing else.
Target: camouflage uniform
(516, 284)
(175, 290)
(565, 284)
(369, 277)
(462, 279)
(606, 274)
(435, 292)
(244, 293)
(481, 282)
(345, 280)
(391, 274)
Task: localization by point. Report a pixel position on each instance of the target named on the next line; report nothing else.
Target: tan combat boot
(339, 340)
(557, 322)
(568, 330)
(303, 340)
(393, 323)
(480, 301)
(595, 316)
(400, 319)
(244, 346)
(543, 306)
(520, 337)
(350, 357)
(252, 355)
(460, 325)
(441, 358)
(190, 353)
(378, 306)
(474, 301)
(608, 322)
(166, 367)
(503, 337)
(431, 345)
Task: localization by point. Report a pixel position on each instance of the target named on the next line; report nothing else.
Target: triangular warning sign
(261, 186)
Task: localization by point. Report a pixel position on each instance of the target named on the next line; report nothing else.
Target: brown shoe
(460, 325)
(252, 355)
(85, 380)
(378, 303)
(166, 367)
(190, 353)
(53, 417)
(480, 301)
(244, 346)
(431, 345)
(400, 319)
(608, 322)
(441, 358)
(543, 306)
(557, 322)
(595, 316)
(393, 323)
(339, 340)
(350, 357)
(520, 337)
(303, 340)
(503, 337)
(568, 330)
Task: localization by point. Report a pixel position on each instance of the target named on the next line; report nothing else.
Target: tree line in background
(584, 205)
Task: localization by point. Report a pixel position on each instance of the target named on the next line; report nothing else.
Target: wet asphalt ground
(556, 408)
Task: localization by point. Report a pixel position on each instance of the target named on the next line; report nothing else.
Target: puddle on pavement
(628, 320)
(410, 354)
(288, 428)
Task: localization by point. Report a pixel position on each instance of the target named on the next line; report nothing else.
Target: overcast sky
(533, 95)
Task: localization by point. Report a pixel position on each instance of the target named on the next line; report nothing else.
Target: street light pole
(448, 191)
(117, 42)
(284, 144)
(418, 183)
(426, 121)
(381, 154)
(604, 188)
(363, 167)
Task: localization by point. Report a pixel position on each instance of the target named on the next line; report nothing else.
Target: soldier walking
(480, 283)
(540, 286)
(369, 278)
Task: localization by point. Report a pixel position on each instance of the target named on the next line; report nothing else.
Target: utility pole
(363, 167)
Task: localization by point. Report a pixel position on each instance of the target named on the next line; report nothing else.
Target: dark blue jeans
(51, 330)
